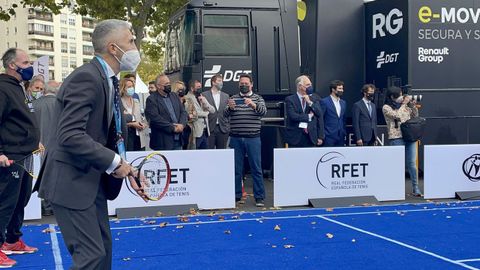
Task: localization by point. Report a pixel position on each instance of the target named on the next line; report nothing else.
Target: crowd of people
(89, 122)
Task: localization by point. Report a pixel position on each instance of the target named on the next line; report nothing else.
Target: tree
(142, 14)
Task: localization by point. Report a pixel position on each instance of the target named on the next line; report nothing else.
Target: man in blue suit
(364, 116)
(304, 127)
(334, 108)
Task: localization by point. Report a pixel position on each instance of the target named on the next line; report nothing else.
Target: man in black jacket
(364, 117)
(19, 137)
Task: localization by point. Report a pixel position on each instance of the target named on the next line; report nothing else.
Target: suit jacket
(161, 123)
(200, 120)
(219, 113)
(334, 124)
(364, 125)
(296, 115)
(82, 148)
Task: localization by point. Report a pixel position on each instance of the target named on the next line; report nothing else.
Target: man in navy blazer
(364, 116)
(304, 127)
(334, 108)
(166, 115)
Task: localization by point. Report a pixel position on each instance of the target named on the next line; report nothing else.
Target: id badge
(30, 107)
(303, 125)
(121, 148)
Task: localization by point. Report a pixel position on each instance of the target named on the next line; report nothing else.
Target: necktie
(303, 104)
(118, 118)
(369, 108)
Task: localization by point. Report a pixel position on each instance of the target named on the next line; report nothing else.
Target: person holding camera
(397, 110)
(245, 111)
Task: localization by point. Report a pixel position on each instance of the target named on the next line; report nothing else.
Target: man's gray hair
(8, 57)
(300, 80)
(52, 87)
(104, 31)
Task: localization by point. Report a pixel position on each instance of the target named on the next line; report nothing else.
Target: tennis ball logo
(471, 168)
(324, 164)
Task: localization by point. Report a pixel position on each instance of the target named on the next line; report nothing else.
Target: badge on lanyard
(30, 106)
(121, 148)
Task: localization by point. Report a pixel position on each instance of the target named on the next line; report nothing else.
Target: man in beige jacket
(198, 108)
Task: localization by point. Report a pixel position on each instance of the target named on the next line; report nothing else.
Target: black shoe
(259, 203)
(47, 212)
(240, 200)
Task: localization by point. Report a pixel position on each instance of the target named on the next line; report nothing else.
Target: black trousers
(304, 142)
(86, 234)
(217, 139)
(15, 192)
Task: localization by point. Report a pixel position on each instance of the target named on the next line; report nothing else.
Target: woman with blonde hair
(137, 132)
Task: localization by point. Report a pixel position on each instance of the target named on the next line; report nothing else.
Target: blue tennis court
(407, 236)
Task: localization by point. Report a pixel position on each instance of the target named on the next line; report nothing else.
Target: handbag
(413, 129)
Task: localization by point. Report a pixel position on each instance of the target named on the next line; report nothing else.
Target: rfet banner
(451, 168)
(202, 177)
(307, 173)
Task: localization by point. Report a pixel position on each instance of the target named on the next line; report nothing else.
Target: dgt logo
(392, 23)
(471, 168)
(229, 75)
(386, 58)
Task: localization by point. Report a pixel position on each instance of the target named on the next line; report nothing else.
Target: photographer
(397, 110)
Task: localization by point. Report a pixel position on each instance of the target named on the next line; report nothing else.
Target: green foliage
(143, 14)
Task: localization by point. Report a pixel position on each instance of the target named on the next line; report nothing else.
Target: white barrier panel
(202, 177)
(451, 168)
(33, 210)
(307, 173)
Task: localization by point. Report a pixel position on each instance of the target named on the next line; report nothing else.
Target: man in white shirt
(218, 123)
(334, 108)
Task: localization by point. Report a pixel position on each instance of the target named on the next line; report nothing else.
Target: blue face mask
(26, 73)
(130, 91)
(310, 90)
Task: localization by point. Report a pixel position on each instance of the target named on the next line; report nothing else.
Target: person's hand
(231, 104)
(190, 116)
(406, 99)
(250, 103)
(4, 162)
(359, 142)
(319, 141)
(136, 125)
(201, 99)
(41, 147)
(122, 171)
(178, 128)
(134, 185)
(307, 99)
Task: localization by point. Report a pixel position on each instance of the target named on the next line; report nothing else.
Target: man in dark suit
(304, 126)
(333, 108)
(364, 117)
(84, 164)
(218, 123)
(166, 115)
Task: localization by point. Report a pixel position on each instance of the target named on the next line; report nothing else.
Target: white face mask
(130, 59)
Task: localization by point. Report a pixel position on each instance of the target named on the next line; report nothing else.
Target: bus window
(179, 43)
(226, 35)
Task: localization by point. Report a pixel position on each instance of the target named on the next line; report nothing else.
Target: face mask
(130, 91)
(26, 73)
(36, 95)
(181, 92)
(130, 60)
(244, 89)
(220, 86)
(369, 97)
(399, 99)
(339, 93)
(167, 89)
(310, 90)
(197, 93)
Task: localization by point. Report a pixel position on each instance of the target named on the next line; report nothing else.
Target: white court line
(288, 217)
(469, 260)
(281, 210)
(399, 243)
(56, 248)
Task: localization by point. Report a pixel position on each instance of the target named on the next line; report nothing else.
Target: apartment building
(66, 38)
